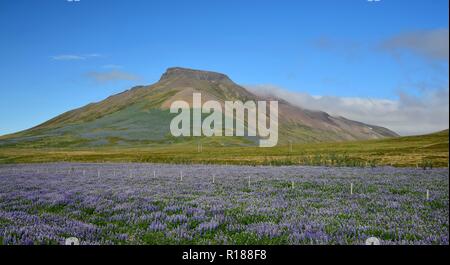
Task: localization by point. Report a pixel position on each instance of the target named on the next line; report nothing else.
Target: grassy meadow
(412, 151)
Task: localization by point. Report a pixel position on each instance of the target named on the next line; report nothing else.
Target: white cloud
(431, 44)
(67, 57)
(349, 49)
(75, 57)
(408, 115)
(113, 75)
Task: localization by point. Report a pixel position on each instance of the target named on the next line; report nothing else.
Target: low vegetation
(425, 151)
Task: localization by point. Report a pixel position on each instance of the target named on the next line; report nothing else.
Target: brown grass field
(412, 151)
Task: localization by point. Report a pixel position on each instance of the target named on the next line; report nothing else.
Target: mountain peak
(141, 116)
(177, 72)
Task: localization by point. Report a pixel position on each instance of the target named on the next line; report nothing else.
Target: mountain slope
(140, 116)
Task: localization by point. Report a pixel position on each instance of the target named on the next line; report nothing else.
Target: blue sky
(57, 55)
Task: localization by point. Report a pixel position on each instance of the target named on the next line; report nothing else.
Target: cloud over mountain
(407, 115)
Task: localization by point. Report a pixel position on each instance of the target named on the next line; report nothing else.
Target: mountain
(140, 116)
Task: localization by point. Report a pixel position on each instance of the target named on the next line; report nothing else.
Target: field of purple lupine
(204, 204)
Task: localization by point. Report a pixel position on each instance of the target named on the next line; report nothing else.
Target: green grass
(413, 151)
